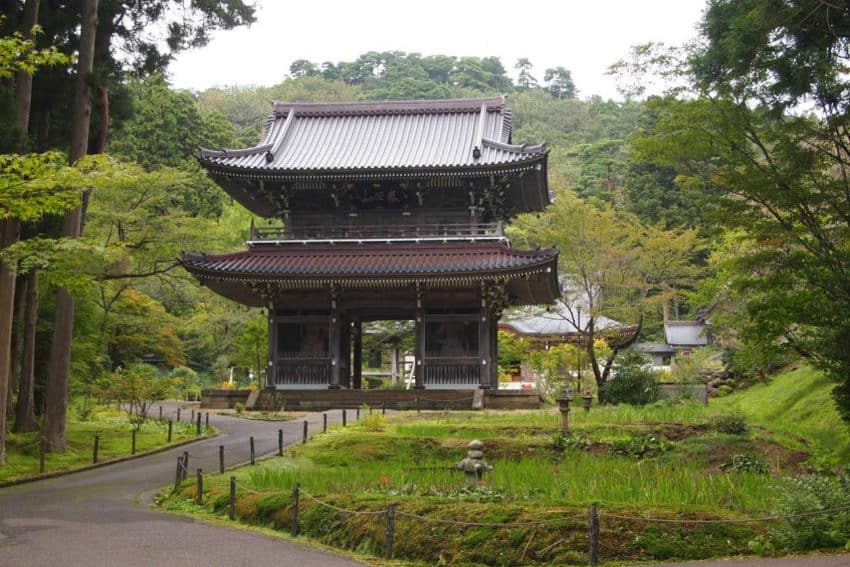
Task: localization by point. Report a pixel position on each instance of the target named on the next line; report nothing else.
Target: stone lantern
(473, 466)
(564, 407)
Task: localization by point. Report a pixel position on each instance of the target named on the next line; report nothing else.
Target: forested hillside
(723, 200)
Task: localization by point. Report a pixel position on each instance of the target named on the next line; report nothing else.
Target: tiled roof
(314, 266)
(555, 320)
(685, 333)
(397, 135)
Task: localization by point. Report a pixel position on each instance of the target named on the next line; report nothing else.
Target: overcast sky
(582, 36)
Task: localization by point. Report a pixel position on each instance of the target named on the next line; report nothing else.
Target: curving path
(102, 517)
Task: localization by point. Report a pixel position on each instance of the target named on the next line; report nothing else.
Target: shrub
(640, 446)
(809, 493)
(744, 463)
(634, 382)
(239, 407)
(732, 424)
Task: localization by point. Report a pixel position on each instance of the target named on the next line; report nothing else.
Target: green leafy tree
(525, 80)
(613, 270)
(140, 385)
(559, 83)
(765, 126)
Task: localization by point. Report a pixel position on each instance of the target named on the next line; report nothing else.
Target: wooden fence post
(383, 408)
(280, 442)
(304, 436)
(198, 427)
(96, 448)
(417, 405)
(221, 459)
(133, 442)
(324, 423)
(207, 420)
(185, 465)
(357, 414)
(192, 418)
(232, 510)
(296, 497)
(42, 448)
(252, 449)
(178, 414)
(344, 417)
(388, 542)
(170, 425)
(199, 491)
(178, 473)
(160, 413)
(593, 533)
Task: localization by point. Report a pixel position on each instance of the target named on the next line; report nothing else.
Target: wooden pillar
(494, 350)
(334, 349)
(357, 345)
(419, 371)
(271, 367)
(345, 352)
(485, 321)
(394, 365)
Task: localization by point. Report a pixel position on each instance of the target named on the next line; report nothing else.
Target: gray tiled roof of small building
(304, 137)
(553, 321)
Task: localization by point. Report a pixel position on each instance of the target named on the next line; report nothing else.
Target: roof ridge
(389, 107)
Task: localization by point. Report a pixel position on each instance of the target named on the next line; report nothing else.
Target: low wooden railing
(457, 231)
(302, 372)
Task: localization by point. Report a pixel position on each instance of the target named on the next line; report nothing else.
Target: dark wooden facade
(391, 211)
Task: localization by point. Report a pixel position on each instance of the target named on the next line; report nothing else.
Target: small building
(390, 211)
(661, 354)
(685, 336)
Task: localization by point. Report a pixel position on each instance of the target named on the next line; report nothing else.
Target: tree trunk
(8, 235)
(23, 81)
(25, 410)
(60, 354)
(17, 338)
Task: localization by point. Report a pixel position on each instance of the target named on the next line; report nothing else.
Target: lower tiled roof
(314, 265)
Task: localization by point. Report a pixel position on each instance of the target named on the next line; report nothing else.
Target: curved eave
(532, 284)
(528, 191)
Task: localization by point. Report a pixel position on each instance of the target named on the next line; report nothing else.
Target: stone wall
(223, 399)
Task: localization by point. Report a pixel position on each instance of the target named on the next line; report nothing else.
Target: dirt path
(100, 517)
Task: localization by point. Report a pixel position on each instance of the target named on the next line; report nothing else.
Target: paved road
(100, 517)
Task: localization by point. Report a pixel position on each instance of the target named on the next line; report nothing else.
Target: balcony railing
(376, 233)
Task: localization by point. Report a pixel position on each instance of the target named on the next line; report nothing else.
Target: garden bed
(669, 481)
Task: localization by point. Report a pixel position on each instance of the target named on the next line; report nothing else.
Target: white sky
(583, 36)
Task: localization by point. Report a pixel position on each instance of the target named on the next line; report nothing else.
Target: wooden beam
(333, 347)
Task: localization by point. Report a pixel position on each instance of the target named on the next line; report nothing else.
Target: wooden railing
(452, 372)
(303, 372)
(456, 231)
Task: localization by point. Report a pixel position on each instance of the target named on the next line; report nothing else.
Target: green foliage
(798, 403)
(640, 446)
(799, 531)
(744, 463)
(758, 128)
(697, 367)
(371, 421)
(633, 383)
(140, 385)
(239, 407)
(20, 54)
(734, 423)
(513, 351)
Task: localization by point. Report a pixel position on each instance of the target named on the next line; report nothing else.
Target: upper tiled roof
(371, 136)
